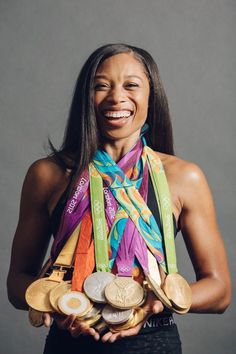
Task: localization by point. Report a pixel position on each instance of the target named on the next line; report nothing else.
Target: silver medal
(94, 285)
(115, 316)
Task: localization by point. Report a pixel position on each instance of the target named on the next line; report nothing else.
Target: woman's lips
(117, 118)
(117, 114)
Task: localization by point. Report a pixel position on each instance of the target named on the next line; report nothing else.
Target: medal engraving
(124, 293)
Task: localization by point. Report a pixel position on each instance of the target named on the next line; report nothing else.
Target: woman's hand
(76, 327)
(152, 306)
(71, 324)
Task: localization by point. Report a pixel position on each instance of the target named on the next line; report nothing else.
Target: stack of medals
(103, 299)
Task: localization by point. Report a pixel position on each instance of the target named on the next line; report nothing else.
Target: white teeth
(117, 114)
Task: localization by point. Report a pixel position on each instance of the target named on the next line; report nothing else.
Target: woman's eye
(100, 86)
(132, 84)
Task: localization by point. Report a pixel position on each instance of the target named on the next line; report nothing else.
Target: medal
(94, 285)
(93, 315)
(37, 294)
(92, 320)
(94, 311)
(113, 316)
(124, 293)
(178, 291)
(59, 290)
(158, 292)
(161, 295)
(138, 316)
(75, 303)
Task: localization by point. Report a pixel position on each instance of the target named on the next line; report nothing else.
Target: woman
(118, 98)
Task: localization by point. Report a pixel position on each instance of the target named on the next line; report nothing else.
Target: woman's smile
(121, 94)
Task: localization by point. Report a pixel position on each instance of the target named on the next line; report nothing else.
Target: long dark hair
(81, 138)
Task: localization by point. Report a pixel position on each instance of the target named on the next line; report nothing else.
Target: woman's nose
(116, 95)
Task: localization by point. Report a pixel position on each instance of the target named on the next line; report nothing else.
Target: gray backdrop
(43, 45)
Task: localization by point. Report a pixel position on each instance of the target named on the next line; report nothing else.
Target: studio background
(43, 45)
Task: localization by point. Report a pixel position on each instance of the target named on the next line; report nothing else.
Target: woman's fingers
(79, 328)
(112, 337)
(107, 336)
(47, 319)
(157, 307)
(74, 326)
(64, 322)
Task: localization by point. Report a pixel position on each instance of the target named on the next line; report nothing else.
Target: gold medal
(37, 294)
(92, 320)
(74, 302)
(178, 291)
(35, 317)
(59, 290)
(124, 293)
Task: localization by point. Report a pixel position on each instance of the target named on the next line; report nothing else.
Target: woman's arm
(33, 232)
(212, 289)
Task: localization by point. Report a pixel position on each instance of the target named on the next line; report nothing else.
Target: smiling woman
(121, 98)
(114, 197)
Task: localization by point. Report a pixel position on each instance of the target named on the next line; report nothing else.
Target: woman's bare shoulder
(187, 182)
(45, 171)
(44, 177)
(186, 171)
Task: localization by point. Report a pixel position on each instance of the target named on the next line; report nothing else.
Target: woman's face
(121, 93)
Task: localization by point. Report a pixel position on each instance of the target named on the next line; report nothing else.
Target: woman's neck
(118, 148)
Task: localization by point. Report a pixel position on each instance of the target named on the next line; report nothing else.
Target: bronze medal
(178, 291)
(124, 293)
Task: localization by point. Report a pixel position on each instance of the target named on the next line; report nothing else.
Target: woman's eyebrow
(102, 76)
(134, 76)
(99, 76)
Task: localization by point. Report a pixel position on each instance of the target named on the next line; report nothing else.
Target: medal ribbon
(84, 254)
(123, 202)
(99, 220)
(132, 203)
(162, 194)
